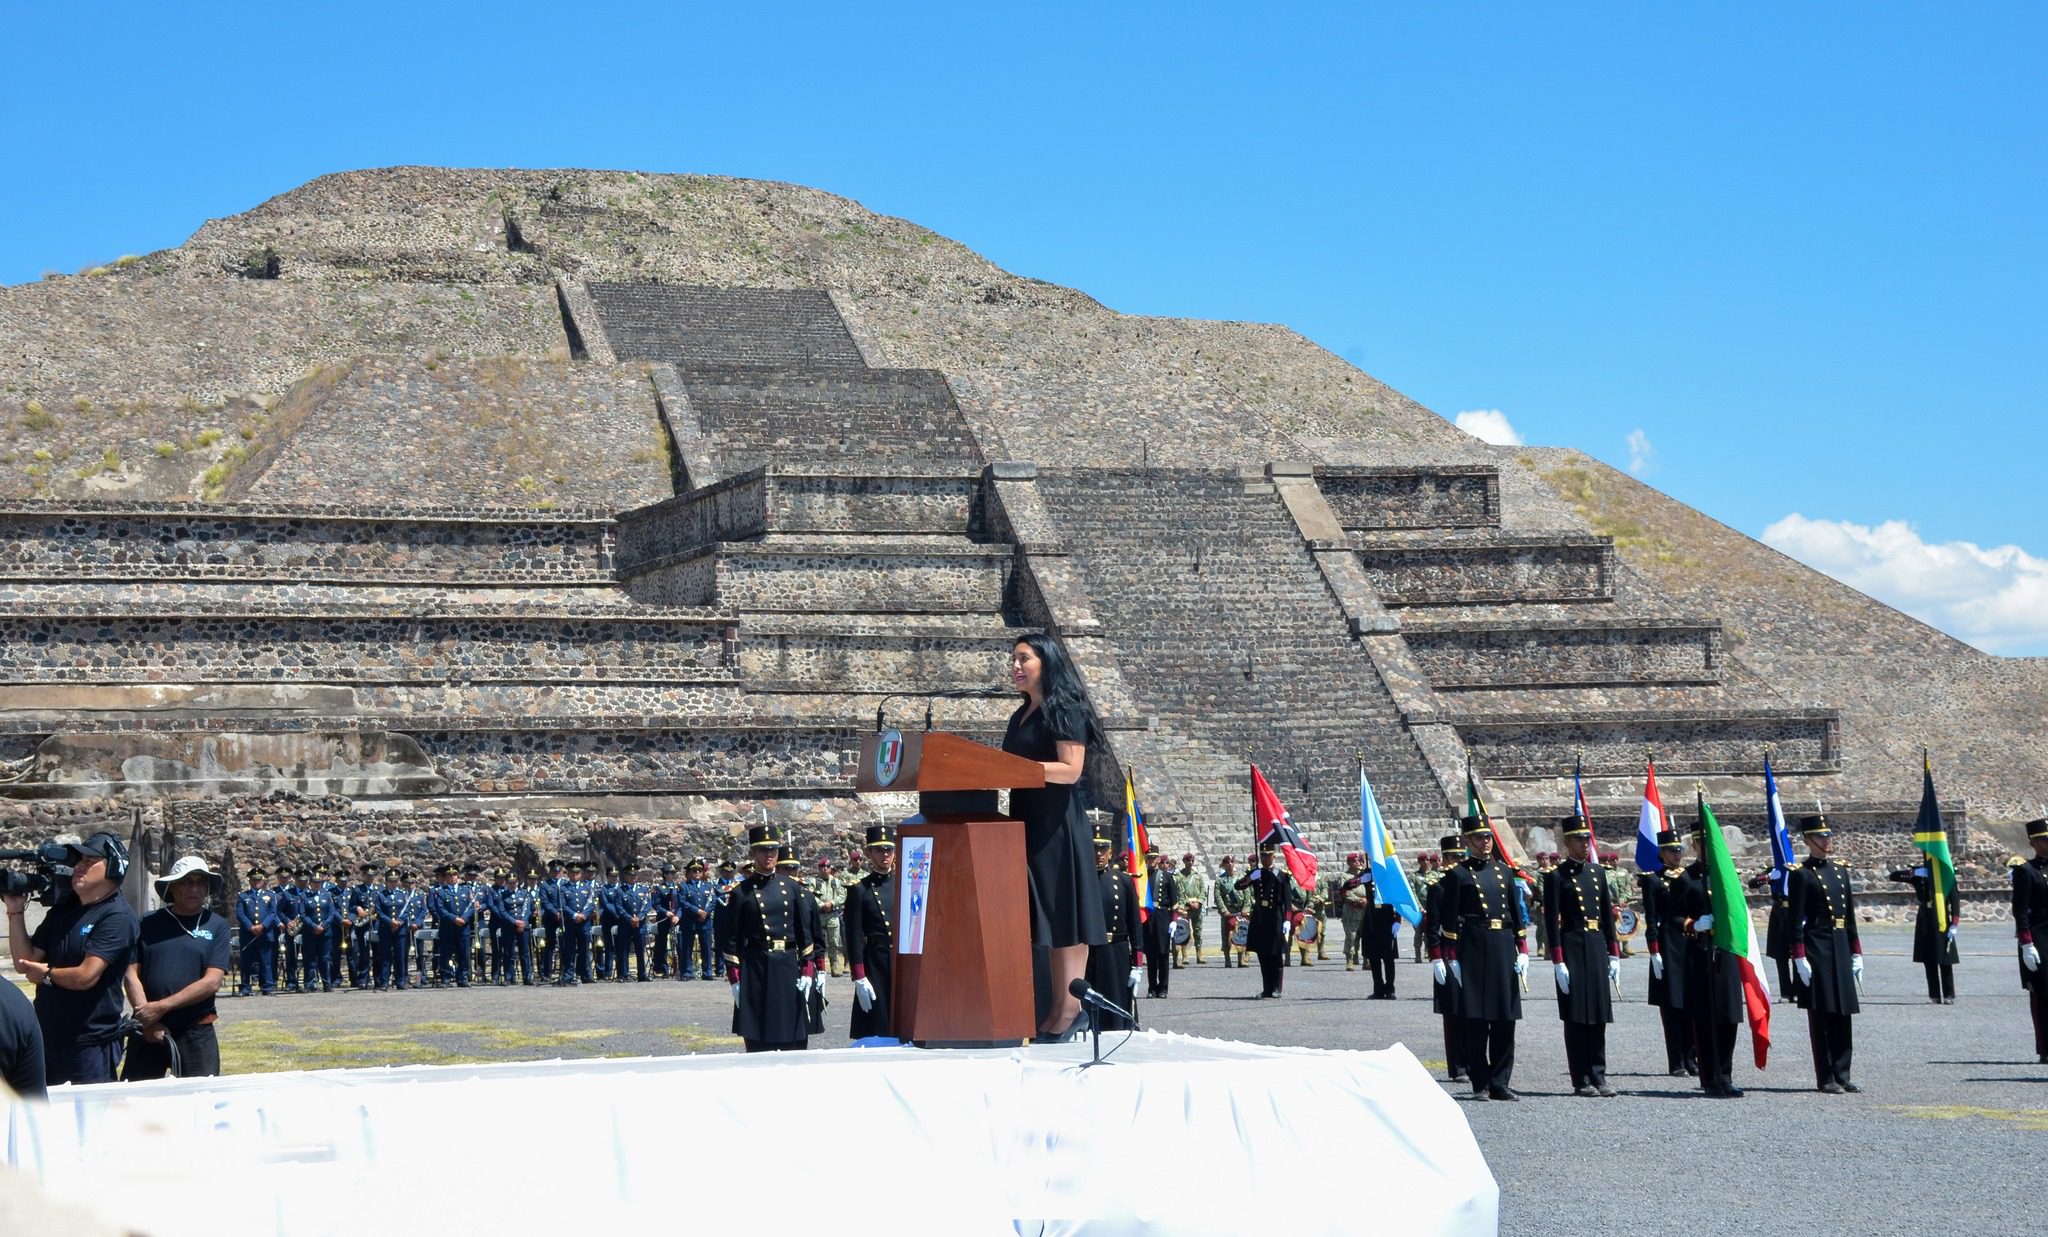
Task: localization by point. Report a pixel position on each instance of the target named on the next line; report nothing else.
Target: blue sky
(1799, 254)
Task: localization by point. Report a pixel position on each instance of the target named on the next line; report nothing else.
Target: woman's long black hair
(1066, 708)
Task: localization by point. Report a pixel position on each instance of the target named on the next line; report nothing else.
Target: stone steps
(765, 327)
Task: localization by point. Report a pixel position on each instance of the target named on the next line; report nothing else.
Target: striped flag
(1135, 842)
(1733, 933)
(1272, 824)
(1649, 822)
(1782, 858)
(1585, 813)
(1931, 836)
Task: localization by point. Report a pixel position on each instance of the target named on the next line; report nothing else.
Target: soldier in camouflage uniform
(830, 889)
(1192, 888)
(1231, 904)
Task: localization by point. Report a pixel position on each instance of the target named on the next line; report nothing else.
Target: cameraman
(77, 959)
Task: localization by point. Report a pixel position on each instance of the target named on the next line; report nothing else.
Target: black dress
(1066, 904)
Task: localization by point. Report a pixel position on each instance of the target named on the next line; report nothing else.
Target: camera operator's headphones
(115, 854)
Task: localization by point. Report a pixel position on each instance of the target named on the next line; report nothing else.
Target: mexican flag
(1733, 934)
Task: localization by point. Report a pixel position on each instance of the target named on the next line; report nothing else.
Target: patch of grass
(206, 438)
(165, 450)
(215, 480)
(35, 417)
(1582, 490)
(2022, 1118)
(267, 1046)
(80, 403)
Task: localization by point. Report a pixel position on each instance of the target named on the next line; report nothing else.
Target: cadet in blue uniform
(256, 916)
(512, 913)
(451, 908)
(663, 917)
(696, 901)
(547, 909)
(767, 948)
(579, 913)
(394, 934)
(870, 935)
(360, 912)
(291, 909)
(635, 900)
(321, 936)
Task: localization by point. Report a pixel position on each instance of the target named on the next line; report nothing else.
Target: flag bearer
(1827, 956)
(1933, 948)
(1585, 955)
(2030, 920)
(1486, 939)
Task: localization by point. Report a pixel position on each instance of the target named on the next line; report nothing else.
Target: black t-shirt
(67, 936)
(172, 955)
(21, 1044)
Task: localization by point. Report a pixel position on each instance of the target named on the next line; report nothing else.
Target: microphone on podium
(963, 693)
(1080, 990)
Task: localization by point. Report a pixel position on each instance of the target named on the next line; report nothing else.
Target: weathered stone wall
(300, 542)
(284, 647)
(838, 660)
(797, 577)
(773, 501)
(1802, 740)
(1444, 496)
(628, 754)
(844, 417)
(1452, 570)
(1550, 653)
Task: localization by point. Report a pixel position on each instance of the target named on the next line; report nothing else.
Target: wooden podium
(963, 952)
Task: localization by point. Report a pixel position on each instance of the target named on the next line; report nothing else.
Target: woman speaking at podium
(1053, 727)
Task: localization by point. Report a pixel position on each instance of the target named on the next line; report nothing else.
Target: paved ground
(1953, 1116)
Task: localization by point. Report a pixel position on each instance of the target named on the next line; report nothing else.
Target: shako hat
(882, 835)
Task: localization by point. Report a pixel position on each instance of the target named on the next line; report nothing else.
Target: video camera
(47, 882)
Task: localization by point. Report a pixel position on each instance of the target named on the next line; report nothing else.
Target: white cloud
(1997, 599)
(1489, 425)
(1642, 457)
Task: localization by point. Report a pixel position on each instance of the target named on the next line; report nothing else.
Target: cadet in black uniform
(1266, 936)
(787, 864)
(1585, 955)
(1777, 930)
(870, 934)
(1827, 956)
(1666, 894)
(768, 950)
(1443, 995)
(1713, 984)
(1113, 965)
(1933, 948)
(1486, 938)
(2030, 921)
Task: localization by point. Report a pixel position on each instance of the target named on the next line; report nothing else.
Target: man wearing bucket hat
(181, 958)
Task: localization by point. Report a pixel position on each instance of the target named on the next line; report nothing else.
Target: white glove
(1521, 964)
(735, 996)
(1704, 924)
(1442, 973)
(1856, 965)
(1457, 976)
(803, 986)
(1614, 970)
(1951, 934)
(1136, 972)
(864, 994)
(1656, 966)
(1563, 974)
(2031, 956)
(1804, 970)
